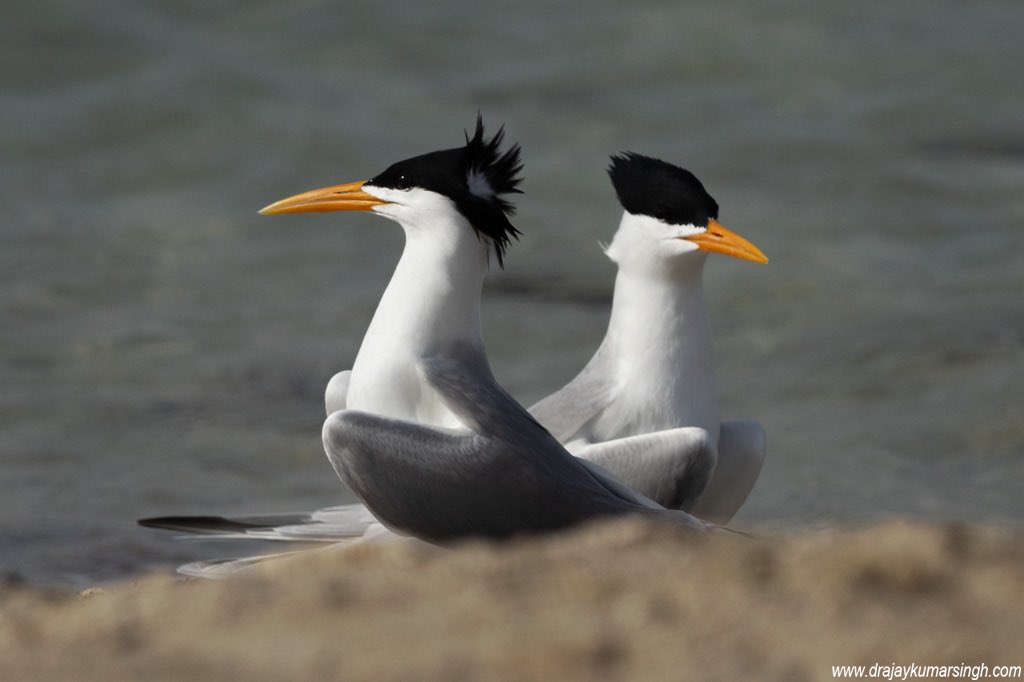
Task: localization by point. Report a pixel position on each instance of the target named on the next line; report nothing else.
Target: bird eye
(403, 182)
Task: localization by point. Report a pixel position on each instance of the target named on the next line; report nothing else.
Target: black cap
(651, 187)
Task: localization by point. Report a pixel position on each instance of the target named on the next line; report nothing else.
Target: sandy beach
(619, 601)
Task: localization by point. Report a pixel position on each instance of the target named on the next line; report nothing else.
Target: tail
(217, 569)
(329, 526)
(324, 525)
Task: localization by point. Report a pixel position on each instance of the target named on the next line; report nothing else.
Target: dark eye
(402, 182)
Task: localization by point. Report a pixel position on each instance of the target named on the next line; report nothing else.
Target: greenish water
(163, 349)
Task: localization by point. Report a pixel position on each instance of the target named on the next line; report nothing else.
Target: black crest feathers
(651, 187)
(474, 177)
(490, 173)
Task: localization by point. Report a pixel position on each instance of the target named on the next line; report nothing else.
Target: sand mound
(620, 601)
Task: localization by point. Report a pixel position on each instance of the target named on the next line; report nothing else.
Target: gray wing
(609, 481)
(502, 476)
(565, 411)
(671, 467)
(742, 447)
(440, 484)
(336, 395)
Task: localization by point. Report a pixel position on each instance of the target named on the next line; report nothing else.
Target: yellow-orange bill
(720, 240)
(347, 197)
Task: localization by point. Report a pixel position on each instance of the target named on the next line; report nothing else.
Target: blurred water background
(163, 349)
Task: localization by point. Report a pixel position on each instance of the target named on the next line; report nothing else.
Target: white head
(423, 192)
(643, 244)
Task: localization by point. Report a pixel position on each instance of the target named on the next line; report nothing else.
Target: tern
(419, 429)
(645, 407)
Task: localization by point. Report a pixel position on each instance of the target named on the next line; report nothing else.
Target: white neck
(659, 350)
(433, 299)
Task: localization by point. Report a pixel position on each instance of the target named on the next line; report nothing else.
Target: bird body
(433, 299)
(656, 357)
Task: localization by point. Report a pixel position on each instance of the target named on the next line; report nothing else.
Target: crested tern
(645, 407)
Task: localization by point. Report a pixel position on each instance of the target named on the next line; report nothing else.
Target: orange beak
(720, 240)
(348, 197)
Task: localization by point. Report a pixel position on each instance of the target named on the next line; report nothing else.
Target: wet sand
(620, 601)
